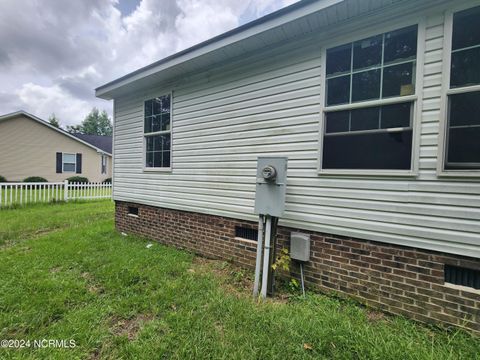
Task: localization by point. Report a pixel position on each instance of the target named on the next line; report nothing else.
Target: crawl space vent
(133, 210)
(462, 276)
(246, 233)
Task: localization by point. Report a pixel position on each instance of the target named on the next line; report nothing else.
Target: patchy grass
(67, 274)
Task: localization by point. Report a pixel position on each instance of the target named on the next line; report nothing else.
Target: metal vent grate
(462, 276)
(246, 233)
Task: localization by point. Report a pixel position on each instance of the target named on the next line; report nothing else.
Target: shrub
(77, 179)
(35, 179)
(107, 181)
(2, 179)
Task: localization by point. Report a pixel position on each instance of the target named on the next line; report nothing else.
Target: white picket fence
(27, 193)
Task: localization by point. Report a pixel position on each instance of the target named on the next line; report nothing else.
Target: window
(104, 164)
(462, 149)
(370, 88)
(158, 132)
(69, 162)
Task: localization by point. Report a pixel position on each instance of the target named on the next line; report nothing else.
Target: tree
(54, 121)
(95, 123)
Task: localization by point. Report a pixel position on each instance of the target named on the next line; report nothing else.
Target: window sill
(458, 173)
(157, 169)
(369, 173)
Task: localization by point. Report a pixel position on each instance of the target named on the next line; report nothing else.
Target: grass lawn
(66, 274)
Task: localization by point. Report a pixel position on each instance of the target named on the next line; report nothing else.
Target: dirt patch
(374, 316)
(130, 327)
(233, 278)
(92, 286)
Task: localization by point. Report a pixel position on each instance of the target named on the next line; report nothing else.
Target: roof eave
(270, 21)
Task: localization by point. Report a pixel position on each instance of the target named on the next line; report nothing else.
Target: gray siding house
(376, 104)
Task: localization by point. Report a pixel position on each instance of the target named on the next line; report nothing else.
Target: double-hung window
(369, 102)
(69, 162)
(462, 145)
(157, 132)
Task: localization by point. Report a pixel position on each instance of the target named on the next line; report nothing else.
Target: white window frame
(63, 163)
(446, 92)
(145, 135)
(416, 99)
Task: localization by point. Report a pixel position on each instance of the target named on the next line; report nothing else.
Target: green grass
(66, 274)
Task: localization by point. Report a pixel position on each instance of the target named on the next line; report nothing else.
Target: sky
(54, 53)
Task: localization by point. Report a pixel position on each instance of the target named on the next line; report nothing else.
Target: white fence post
(65, 190)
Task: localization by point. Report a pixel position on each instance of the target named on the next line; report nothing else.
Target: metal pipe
(258, 263)
(301, 276)
(266, 256)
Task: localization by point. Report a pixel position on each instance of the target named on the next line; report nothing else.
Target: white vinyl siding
(271, 105)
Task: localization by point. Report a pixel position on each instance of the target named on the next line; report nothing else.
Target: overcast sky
(53, 53)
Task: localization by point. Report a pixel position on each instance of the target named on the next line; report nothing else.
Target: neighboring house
(376, 106)
(30, 146)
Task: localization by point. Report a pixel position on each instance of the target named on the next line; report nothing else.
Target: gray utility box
(299, 246)
(271, 185)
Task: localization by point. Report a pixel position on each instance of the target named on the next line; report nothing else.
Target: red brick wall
(396, 279)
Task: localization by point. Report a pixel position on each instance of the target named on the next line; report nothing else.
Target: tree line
(95, 123)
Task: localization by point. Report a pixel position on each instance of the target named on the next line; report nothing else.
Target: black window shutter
(79, 163)
(59, 162)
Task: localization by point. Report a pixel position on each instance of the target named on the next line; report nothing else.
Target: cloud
(54, 53)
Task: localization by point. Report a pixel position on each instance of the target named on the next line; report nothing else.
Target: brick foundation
(396, 279)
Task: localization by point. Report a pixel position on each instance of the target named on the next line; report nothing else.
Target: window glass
(466, 29)
(157, 132)
(368, 151)
(363, 63)
(338, 121)
(338, 90)
(375, 137)
(463, 125)
(464, 131)
(400, 44)
(366, 85)
(158, 150)
(465, 109)
(68, 167)
(463, 148)
(339, 59)
(398, 80)
(69, 158)
(367, 52)
(465, 68)
(157, 114)
(365, 119)
(396, 115)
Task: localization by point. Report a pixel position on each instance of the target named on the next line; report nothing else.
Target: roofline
(43, 122)
(101, 90)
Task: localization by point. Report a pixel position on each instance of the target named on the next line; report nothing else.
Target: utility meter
(269, 173)
(271, 185)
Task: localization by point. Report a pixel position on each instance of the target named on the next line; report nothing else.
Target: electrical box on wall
(271, 185)
(299, 246)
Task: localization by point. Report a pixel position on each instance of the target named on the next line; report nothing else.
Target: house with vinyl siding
(376, 106)
(30, 146)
